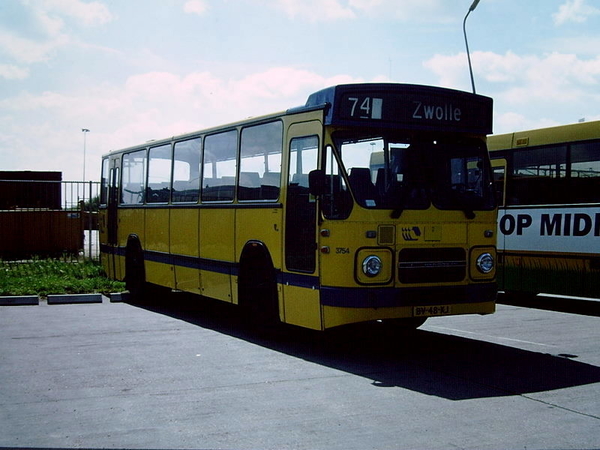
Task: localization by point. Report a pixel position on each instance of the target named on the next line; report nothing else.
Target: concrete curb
(119, 297)
(573, 305)
(23, 300)
(66, 299)
(74, 298)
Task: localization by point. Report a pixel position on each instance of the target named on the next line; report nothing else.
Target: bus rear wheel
(135, 272)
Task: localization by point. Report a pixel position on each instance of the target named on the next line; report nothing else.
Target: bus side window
(260, 162)
(499, 172)
(134, 176)
(159, 175)
(539, 176)
(220, 166)
(186, 171)
(585, 172)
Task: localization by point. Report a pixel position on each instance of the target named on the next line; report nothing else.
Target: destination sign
(372, 108)
(405, 105)
(413, 109)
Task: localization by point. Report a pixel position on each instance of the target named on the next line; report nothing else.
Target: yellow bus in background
(370, 202)
(549, 218)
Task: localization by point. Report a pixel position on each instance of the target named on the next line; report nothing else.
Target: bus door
(114, 266)
(301, 301)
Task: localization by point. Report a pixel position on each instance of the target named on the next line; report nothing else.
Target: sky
(135, 70)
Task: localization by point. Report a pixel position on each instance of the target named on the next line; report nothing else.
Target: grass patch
(44, 277)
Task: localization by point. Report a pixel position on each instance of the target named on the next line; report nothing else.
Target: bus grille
(431, 265)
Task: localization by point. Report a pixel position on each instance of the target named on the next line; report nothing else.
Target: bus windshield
(387, 172)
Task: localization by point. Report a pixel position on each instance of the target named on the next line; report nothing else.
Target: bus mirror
(316, 182)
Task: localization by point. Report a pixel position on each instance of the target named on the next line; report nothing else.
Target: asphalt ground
(178, 374)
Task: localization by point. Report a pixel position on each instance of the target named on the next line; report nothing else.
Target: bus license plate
(428, 311)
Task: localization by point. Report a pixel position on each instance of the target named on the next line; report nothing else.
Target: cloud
(90, 13)
(529, 91)
(25, 50)
(201, 99)
(195, 7)
(315, 10)
(511, 121)
(574, 11)
(10, 72)
(331, 10)
(47, 31)
(561, 77)
(146, 106)
(582, 44)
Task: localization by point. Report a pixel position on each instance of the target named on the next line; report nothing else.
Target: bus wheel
(257, 288)
(135, 273)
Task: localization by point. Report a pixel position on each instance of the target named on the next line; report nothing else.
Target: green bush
(51, 276)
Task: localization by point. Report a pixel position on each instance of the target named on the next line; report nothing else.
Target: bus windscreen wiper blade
(396, 213)
(469, 214)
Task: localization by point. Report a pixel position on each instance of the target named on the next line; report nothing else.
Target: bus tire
(135, 272)
(257, 288)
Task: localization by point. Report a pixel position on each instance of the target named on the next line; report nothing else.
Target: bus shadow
(452, 367)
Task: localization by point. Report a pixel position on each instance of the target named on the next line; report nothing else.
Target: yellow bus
(370, 202)
(549, 218)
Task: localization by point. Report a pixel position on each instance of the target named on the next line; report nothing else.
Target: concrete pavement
(175, 375)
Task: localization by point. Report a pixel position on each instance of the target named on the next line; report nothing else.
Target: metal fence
(49, 219)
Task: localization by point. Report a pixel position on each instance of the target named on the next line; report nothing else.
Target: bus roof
(582, 131)
(382, 105)
(411, 106)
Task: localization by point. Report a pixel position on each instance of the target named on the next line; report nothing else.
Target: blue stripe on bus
(392, 297)
(192, 262)
(299, 280)
(118, 251)
(211, 265)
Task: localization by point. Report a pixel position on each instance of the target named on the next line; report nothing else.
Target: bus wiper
(396, 213)
(469, 213)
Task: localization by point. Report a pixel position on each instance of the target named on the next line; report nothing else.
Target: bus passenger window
(499, 173)
(260, 162)
(538, 176)
(220, 166)
(134, 175)
(585, 172)
(186, 171)
(159, 175)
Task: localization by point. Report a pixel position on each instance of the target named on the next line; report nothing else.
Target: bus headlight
(485, 263)
(372, 266)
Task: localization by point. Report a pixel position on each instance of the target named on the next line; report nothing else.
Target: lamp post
(472, 8)
(84, 131)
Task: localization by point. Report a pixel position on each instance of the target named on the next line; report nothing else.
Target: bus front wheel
(257, 288)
